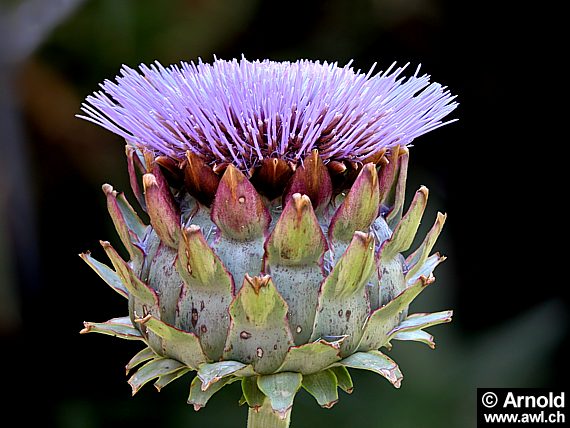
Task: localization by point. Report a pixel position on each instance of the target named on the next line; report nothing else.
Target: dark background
(492, 172)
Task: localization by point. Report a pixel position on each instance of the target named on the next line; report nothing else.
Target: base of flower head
(279, 388)
(277, 299)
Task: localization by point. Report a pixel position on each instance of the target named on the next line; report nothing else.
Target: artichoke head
(281, 277)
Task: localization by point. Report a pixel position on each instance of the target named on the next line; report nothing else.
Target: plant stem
(265, 417)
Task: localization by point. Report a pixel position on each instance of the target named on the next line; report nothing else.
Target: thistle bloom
(275, 193)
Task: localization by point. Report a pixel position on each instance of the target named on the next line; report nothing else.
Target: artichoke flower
(274, 254)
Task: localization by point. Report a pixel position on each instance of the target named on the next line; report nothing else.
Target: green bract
(278, 293)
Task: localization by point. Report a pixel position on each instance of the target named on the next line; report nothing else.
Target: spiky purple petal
(243, 111)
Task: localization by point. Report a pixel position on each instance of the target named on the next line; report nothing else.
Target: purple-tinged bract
(242, 112)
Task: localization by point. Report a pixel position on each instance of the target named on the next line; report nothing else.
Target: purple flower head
(243, 111)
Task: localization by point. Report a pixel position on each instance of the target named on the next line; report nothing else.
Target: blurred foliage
(503, 334)
(107, 33)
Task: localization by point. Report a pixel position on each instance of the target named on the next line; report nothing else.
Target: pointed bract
(199, 395)
(106, 273)
(377, 362)
(271, 177)
(129, 226)
(405, 231)
(360, 207)
(251, 392)
(311, 179)
(242, 219)
(392, 280)
(140, 357)
(163, 212)
(395, 213)
(164, 279)
(353, 270)
(152, 370)
(388, 177)
(181, 345)
(164, 380)
(280, 388)
(343, 378)
(199, 179)
(293, 257)
(426, 269)
(171, 169)
(259, 334)
(343, 302)
(311, 357)
(415, 260)
(134, 163)
(416, 336)
(323, 386)
(238, 210)
(118, 327)
(208, 290)
(211, 373)
(420, 321)
(131, 282)
(297, 239)
(381, 322)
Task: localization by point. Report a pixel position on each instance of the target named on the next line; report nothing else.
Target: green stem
(265, 417)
